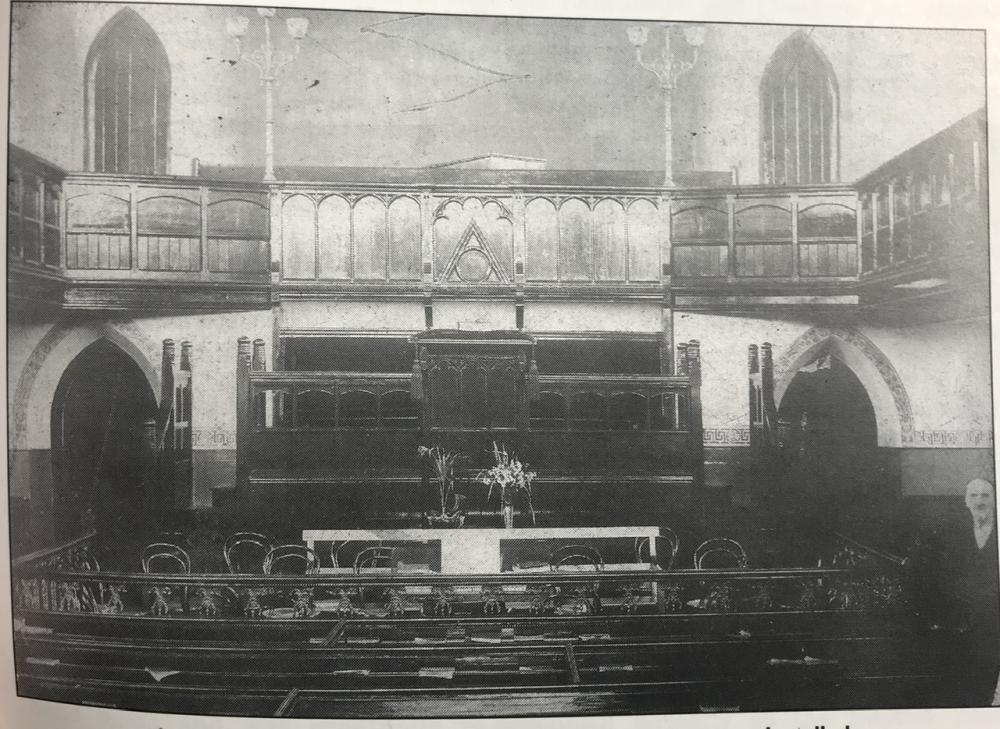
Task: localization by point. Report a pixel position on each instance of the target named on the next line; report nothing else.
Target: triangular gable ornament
(474, 261)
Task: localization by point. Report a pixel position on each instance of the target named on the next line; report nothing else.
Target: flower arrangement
(443, 464)
(508, 476)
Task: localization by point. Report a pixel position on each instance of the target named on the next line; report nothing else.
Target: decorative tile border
(213, 439)
(952, 439)
(726, 436)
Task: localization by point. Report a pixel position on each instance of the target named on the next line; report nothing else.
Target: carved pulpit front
(474, 388)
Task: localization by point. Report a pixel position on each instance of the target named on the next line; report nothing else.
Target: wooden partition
(465, 395)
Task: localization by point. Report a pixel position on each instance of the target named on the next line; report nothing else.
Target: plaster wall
(886, 79)
(543, 316)
(358, 97)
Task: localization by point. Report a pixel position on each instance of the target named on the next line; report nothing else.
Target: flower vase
(508, 516)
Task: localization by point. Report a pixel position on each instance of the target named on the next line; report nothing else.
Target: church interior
(381, 372)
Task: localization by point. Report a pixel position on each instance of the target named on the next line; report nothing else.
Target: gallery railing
(171, 229)
(929, 202)
(97, 227)
(855, 580)
(398, 235)
(34, 211)
(416, 233)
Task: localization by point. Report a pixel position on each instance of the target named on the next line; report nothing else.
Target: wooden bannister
(928, 202)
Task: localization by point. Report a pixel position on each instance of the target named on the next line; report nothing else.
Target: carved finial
(186, 355)
(259, 355)
(753, 363)
(694, 358)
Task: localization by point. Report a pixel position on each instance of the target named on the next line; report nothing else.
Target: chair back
(244, 552)
(165, 558)
(720, 549)
(576, 555)
(291, 559)
(375, 557)
(668, 538)
(343, 554)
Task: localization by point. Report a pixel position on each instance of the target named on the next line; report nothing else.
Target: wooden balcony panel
(929, 201)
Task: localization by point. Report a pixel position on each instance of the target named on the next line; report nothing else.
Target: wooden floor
(482, 667)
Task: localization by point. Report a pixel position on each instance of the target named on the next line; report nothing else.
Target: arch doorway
(103, 467)
(829, 434)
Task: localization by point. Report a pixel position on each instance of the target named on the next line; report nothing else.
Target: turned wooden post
(696, 442)
(243, 415)
(753, 371)
(769, 413)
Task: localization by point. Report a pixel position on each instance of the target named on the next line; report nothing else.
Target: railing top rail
(972, 126)
(572, 378)
(19, 157)
(161, 181)
(517, 578)
(291, 377)
(47, 552)
(873, 551)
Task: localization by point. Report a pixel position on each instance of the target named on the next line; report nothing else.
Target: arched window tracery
(127, 82)
(799, 105)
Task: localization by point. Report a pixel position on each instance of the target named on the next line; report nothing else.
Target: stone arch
(32, 402)
(893, 412)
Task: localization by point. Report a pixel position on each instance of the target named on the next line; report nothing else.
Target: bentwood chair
(669, 539)
(375, 558)
(576, 555)
(244, 552)
(720, 552)
(162, 557)
(343, 554)
(290, 559)
(165, 558)
(580, 598)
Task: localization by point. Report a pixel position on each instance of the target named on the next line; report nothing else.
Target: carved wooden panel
(169, 253)
(97, 251)
(609, 240)
(575, 247)
(473, 241)
(244, 217)
(370, 239)
(541, 240)
(404, 239)
(644, 235)
(169, 213)
(298, 244)
(334, 221)
(96, 208)
(234, 255)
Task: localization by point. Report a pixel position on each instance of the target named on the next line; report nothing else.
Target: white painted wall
(357, 98)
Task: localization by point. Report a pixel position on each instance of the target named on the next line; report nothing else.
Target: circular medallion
(473, 266)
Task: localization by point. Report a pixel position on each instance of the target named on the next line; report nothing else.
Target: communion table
(477, 551)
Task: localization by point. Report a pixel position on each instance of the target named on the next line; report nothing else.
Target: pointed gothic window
(799, 116)
(127, 77)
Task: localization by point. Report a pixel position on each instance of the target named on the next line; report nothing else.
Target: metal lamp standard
(667, 70)
(269, 62)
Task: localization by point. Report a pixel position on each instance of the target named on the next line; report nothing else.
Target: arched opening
(829, 436)
(127, 83)
(102, 462)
